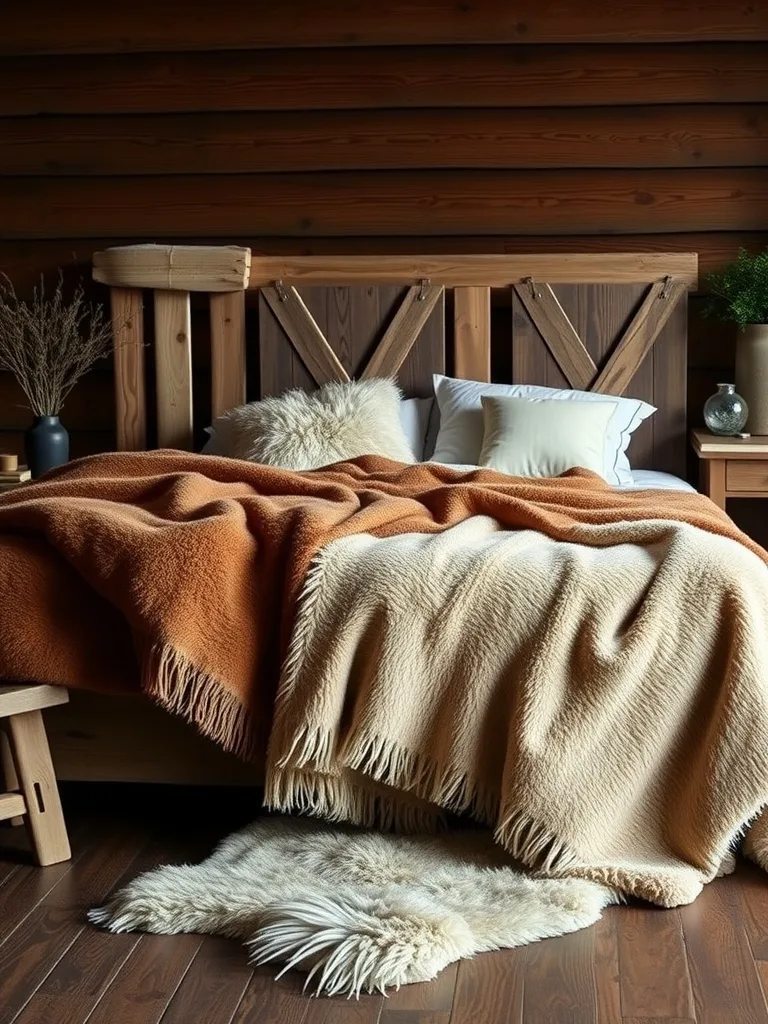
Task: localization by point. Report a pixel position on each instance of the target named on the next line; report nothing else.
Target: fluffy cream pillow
(300, 430)
(528, 437)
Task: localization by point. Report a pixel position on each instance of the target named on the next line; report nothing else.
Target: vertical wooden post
(173, 362)
(472, 333)
(227, 350)
(130, 397)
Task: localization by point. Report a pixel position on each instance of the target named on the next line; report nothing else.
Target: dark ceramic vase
(46, 444)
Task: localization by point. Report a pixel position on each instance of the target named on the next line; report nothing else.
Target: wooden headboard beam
(494, 271)
(190, 268)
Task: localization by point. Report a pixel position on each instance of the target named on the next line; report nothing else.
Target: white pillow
(302, 430)
(414, 417)
(535, 437)
(460, 437)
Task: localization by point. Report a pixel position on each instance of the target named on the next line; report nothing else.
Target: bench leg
(8, 779)
(44, 817)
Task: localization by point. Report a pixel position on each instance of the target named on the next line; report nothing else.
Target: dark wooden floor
(706, 963)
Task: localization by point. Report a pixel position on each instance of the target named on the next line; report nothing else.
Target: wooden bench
(31, 795)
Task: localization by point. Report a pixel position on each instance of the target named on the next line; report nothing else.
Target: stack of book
(10, 478)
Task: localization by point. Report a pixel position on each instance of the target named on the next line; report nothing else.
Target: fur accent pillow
(300, 430)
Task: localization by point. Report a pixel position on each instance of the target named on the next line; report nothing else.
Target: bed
(610, 323)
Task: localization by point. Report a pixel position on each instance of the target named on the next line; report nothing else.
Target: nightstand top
(711, 446)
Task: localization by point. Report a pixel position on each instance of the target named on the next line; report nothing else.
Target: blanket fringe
(397, 775)
(178, 686)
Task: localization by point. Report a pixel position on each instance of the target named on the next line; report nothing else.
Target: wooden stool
(27, 765)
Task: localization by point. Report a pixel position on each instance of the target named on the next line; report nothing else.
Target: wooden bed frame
(609, 323)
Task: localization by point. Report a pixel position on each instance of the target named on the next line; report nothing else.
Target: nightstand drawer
(747, 475)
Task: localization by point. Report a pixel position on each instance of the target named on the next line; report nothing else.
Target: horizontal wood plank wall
(404, 126)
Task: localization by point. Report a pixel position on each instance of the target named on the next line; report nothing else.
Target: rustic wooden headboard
(613, 323)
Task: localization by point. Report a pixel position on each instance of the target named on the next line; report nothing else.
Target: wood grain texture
(490, 989)
(16, 698)
(651, 952)
(383, 77)
(479, 270)
(143, 989)
(130, 394)
(639, 338)
(600, 314)
(192, 268)
(240, 143)
(472, 333)
(213, 987)
(403, 331)
(173, 367)
(390, 23)
(389, 203)
(12, 805)
(227, 351)
(723, 972)
(426, 1003)
(50, 929)
(25, 260)
(308, 340)
(559, 980)
(43, 815)
(749, 475)
(558, 334)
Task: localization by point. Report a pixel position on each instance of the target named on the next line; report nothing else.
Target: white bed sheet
(643, 480)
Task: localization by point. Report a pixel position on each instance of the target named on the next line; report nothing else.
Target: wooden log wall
(323, 126)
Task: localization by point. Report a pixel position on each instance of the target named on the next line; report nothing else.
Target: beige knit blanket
(603, 707)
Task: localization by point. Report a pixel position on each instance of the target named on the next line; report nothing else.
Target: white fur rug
(360, 911)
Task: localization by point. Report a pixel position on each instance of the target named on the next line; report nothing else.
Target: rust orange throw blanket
(178, 574)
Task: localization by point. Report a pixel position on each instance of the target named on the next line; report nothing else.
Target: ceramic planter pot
(46, 444)
(752, 375)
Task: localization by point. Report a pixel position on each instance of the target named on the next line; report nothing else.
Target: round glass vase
(725, 412)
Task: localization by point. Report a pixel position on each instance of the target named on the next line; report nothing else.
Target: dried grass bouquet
(50, 342)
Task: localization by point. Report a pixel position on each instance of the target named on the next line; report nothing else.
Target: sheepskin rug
(359, 911)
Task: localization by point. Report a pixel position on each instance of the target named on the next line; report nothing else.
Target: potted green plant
(48, 344)
(739, 294)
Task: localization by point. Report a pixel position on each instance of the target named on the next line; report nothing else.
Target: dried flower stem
(49, 343)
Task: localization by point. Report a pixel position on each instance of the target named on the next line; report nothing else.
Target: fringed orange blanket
(178, 574)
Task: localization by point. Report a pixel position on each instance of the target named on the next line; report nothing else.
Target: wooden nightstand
(731, 467)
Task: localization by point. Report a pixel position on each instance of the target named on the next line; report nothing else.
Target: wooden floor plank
(267, 1001)
(559, 980)
(726, 987)
(214, 985)
(80, 978)
(490, 988)
(426, 1003)
(654, 969)
(607, 984)
(753, 898)
(142, 991)
(27, 885)
(89, 966)
(340, 1010)
(45, 935)
(659, 1020)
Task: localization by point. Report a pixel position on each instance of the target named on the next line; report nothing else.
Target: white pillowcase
(414, 417)
(302, 430)
(535, 437)
(460, 437)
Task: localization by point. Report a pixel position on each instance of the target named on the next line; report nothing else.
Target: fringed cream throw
(602, 703)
